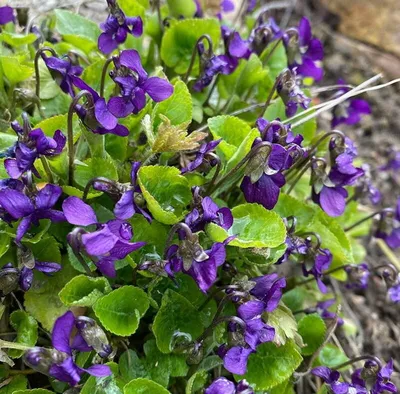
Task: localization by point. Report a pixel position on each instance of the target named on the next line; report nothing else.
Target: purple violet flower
(6, 15)
(323, 309)
(331, 378)
(304, 51)
(126, 206)
(204, 269)
(330, 193)
(322, 261)
(61, 70)
(98, 118)
(31, 210)
(26, 277)
(264, 34)
(201, 156)
(30, 146)
(389, 228)
(350, 111)
(107, 244)
(117, 27)
(268, 289)
(255, 333)
(207, 211)
(263, 185)
(134, 84)
(394, 293)
(357, 277)
(290, 93)
(59, 362)
(224, 386)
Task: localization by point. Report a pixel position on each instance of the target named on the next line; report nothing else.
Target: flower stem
(47, 169)
(103, 75)
(216, 173)
(360, 358)
(238, 166)
(13, 345)
(99, 179)
(71, 153)
(388, 253)
(37, 73)
(361, 221)
(194, 53)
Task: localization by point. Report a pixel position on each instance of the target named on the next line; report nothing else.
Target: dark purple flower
(389, 228)
(6, 15)
(116, 28)
(350, 111)
(202, 268)
(328, 190)
(331, 378)
(357, 276)
(211, 66)
(61, 71)
(26, 278)
(268, 289)
(31, 210)
(107, 244)
(321, 262)
(383, 382)
(59, 362)
(290, 92)
(96, 116)
(207, 211)
(127, 205)
(201, 155)
(264, 34)
(393, 162)
(323, 309)
(31, 145)
(134, 84)
(304, 51)
(235, 49)
(255, 333)
(262, 185)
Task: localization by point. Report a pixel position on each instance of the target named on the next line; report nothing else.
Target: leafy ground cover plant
(171, 218)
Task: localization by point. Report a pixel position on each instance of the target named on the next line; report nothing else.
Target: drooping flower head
(207, 211)
(109, 243)
(264, 178)
(31, 208)
(95, 114)
(134, 84)
(331, 378)
(290, 92)
(117, 27)
(328, 189)
(60, 361)
(357, 276)
(389, 227)
(201, 157)
(264, 33)
(304, 51)
(61, 70)
(30, 146)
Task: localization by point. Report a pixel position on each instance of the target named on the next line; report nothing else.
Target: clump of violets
(59, 362)
(117, 27)
(264, 175)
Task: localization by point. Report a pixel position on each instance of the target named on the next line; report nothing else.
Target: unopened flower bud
(41, 359)
(9, 277)
(25, 257)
